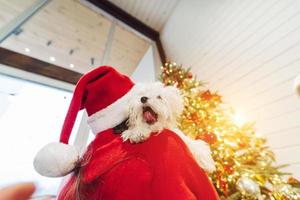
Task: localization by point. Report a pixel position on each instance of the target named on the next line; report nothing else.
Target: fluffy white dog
(155, 107)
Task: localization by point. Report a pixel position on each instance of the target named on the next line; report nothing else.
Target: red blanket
(161, 168)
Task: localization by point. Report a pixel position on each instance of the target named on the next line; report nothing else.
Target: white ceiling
(154, 13)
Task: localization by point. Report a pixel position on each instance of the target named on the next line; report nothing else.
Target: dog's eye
(159, 97)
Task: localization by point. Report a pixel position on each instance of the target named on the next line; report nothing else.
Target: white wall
(145, 71)
(250, 52)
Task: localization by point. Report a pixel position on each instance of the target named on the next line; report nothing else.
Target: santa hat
(104, 93)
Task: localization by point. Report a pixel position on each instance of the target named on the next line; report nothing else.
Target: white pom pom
(200, 150)
(56, 160)
(202, 154)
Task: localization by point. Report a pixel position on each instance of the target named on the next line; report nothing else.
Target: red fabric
(161, 168)
(94, 91)
(108, 87)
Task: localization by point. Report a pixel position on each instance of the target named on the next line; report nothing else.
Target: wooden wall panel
(154, 13)
(249, 52)
(68, 25)
(71, 26)
(127, 50)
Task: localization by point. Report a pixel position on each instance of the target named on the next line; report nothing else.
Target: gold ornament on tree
(248, 187)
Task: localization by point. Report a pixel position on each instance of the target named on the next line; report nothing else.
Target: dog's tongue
(149, 117)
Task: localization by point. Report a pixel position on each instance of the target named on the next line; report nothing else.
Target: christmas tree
(245, 164)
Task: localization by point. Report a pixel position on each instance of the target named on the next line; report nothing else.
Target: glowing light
(71, 65)
(239, 119)
(27, 50)
(52, 58)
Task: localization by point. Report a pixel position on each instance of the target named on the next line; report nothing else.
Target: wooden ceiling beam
(29, 64)
(132, 22)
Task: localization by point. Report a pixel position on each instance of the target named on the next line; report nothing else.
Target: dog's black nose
(144, 99)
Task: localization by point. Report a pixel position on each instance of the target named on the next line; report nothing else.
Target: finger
(47, 198)
(21, 191)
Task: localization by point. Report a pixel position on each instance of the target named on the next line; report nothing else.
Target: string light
(239, 119)
(27, 50)
(52, 59)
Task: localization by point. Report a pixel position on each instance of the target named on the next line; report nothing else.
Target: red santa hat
(104, 93)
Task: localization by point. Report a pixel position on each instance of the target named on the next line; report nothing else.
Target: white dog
(155, 107)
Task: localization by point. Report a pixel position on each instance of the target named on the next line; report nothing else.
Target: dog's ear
(121, 127)
(174, 99)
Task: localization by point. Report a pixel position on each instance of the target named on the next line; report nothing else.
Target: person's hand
(21, 191)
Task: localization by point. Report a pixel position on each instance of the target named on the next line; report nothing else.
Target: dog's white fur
(167, 103)
(164, 101)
